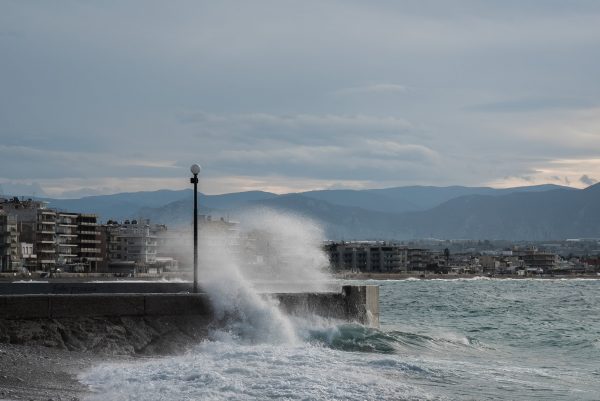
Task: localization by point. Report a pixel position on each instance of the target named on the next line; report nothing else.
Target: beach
(29, 372)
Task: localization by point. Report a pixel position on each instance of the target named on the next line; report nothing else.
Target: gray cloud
(309, 91)
(18, 189)
(529, 105)
(384, 88)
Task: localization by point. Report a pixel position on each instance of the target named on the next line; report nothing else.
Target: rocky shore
(40, 358)
(33, 372)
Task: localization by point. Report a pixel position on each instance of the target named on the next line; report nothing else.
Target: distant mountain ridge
(413, 198)
(530, 213)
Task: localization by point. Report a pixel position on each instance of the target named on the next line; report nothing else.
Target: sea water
(439, 339)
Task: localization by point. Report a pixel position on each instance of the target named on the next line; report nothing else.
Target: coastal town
(39, 241)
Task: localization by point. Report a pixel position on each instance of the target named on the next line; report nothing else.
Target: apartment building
(130, 243)
(66, 239)
(9, 242)
(88, 241)
(545, 261)
(418, 258)
(59, 239)
(368, 256)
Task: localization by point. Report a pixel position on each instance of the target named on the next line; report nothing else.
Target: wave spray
(268, 252)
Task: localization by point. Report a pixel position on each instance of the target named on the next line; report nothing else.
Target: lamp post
(195, 169)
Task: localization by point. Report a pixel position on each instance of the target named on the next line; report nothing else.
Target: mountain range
(543, 212)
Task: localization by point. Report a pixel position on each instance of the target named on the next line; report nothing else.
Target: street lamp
(195, 169)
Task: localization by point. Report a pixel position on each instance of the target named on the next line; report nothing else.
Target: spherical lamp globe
(195, 169)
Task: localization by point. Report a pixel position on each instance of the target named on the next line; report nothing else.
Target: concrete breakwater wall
(151, 323)
(352, 303)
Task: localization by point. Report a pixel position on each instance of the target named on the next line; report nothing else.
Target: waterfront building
(57, 238)
(9, 242)
(66, 238)
(540, 261)
(367, 256)
(27, 256)
(131, 246)
(88, 236)
(418, 258)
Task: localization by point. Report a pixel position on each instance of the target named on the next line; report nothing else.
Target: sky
(100, 97)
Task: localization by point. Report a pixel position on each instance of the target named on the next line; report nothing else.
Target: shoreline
(36, 372)
(434, 276)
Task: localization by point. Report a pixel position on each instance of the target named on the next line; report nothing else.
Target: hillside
(530, 213)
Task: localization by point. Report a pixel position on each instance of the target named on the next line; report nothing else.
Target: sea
(447, 339)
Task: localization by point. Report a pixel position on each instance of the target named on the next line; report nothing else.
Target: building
(27, 256)
(540, 261)
(418, 258)
(59, 239)
(367, 256)
(88, 240)
(130, 246)
(66, 239)
(9, 242)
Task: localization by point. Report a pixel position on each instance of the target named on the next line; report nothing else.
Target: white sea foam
(221, 370)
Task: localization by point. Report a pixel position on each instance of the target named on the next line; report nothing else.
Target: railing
(89, 250)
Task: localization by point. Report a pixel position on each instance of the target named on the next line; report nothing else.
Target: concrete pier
(146, 323)
(352, 303)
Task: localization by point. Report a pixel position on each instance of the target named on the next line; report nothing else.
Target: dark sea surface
(463, 339)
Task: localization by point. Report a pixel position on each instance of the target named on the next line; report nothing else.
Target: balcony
(89, 250)
(88, 216)
(89, 241)
(67, 226)
(84, 232)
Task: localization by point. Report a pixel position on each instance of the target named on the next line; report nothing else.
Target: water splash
(268, 244)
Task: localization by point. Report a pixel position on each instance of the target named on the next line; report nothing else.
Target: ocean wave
(230, 370)
(357, 338)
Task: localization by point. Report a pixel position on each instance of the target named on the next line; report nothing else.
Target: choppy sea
(476, 339)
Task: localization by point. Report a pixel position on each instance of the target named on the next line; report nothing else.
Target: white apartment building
(131, 242)
(60, 239)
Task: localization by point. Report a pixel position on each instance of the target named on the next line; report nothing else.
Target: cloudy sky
(111, 96)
